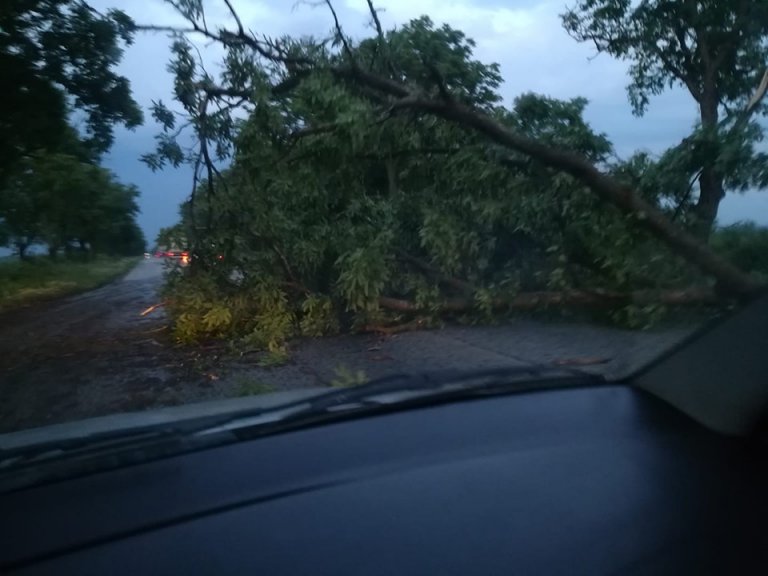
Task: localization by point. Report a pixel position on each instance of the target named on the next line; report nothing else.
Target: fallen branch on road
(152, 309)
(389, 330)
(576, 298)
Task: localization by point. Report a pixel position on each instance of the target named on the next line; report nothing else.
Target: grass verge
(24, 282)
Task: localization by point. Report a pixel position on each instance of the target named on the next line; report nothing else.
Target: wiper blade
(30, 465)
(399, 388)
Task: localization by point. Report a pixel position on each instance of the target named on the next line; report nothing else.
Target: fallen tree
(386, 176)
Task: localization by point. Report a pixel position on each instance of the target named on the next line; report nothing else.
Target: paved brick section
(607, 351)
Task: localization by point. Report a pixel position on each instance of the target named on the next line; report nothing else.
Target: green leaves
(335, 201)
(55, 55)
(362, 277)
(318, 316)
(217, 318)
(62, 201)
(715, 50)
(162, 115)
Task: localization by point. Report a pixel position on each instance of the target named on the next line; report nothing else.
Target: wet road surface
(94, 354)
(84, 355)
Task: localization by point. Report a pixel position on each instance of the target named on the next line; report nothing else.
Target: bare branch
(267, 49)
(221, 91)
(686, 196)
(171, 29)
(202, 15)
(758, 96)
(376, 21)
(340, 32)
(744, 116)
(240, 29)
(380, 83)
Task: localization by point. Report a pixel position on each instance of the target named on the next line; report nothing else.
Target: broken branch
(572, 298)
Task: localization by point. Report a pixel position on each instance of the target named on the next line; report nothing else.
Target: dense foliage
(58, 59)
(333, 216)
(59, 55)
(65, 203)
(745, 244)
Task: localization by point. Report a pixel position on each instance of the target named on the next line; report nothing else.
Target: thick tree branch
(745, 115)
(758, 96)
(681, 75)
(376, 21)
(730, 278)
(455, 283)
(686, 196)
(571, 298)
(268, 49)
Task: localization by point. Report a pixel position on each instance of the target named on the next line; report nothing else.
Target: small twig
(286, 265)
(686, 196)
(152, 309)
(340, 33)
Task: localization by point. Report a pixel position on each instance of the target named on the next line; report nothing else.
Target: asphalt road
(94, 354)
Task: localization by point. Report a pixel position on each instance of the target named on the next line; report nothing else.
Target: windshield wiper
(399, 390)
(21, 467)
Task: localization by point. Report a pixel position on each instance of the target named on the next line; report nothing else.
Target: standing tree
(717, 50)
(61, 201)
(56, 55)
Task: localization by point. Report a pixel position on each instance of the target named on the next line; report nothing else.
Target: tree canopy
(717, 50)
(384, 179)
(65, 203)
(58, 57)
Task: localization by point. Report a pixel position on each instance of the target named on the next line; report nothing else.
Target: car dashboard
(596, 480)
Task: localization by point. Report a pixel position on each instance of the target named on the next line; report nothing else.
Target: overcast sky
(524, 36)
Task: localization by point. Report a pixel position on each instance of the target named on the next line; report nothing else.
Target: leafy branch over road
(360, 159)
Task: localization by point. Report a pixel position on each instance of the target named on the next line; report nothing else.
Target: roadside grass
(40, 278)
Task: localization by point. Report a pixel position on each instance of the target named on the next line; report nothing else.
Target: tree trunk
(710, 194)
(711, 190)
(22, 249)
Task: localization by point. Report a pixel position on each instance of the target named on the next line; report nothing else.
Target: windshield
(213, 200)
